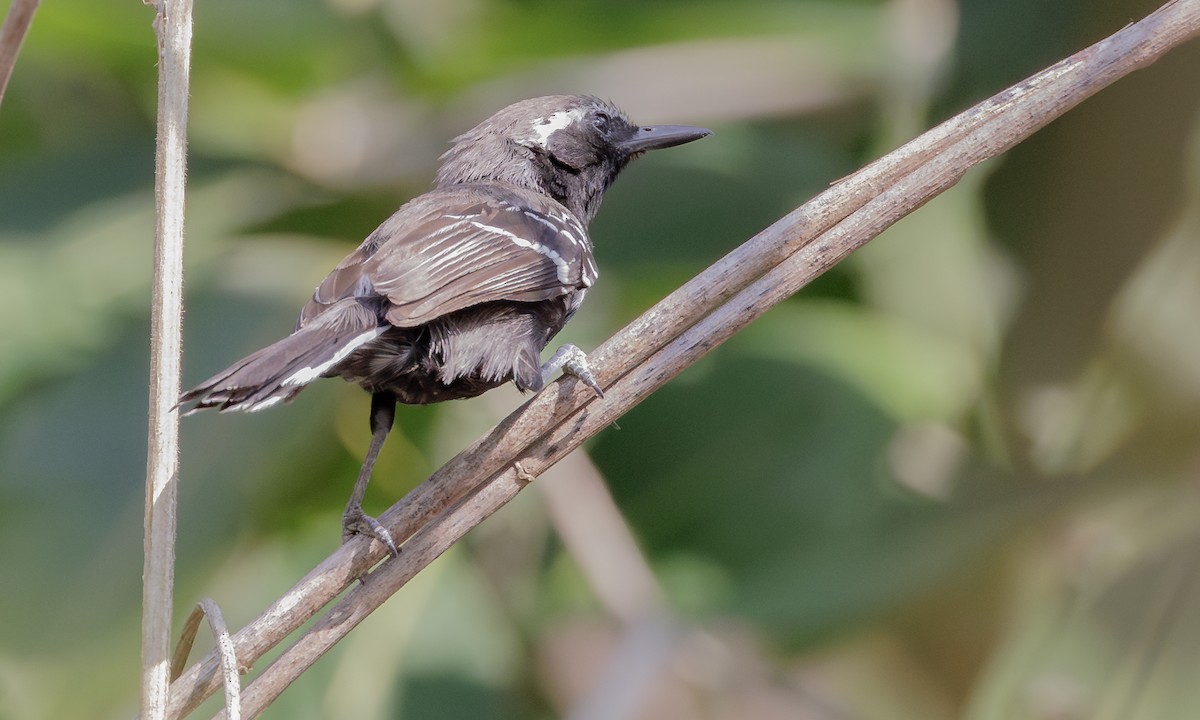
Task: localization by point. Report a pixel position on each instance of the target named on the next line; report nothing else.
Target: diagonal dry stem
(12, 34)
(667, 338)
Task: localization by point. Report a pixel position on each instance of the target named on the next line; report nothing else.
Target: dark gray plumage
(462, 288)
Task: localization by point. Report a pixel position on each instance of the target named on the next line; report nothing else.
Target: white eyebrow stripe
(562, 267)
(543, 128)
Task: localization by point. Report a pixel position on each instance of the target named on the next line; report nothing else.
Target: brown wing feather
(463, 246)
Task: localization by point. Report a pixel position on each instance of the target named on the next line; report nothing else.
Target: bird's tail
(279, 371)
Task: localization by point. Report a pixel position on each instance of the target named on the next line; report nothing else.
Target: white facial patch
(543, 128)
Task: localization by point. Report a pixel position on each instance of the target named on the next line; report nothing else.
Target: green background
(957, 477)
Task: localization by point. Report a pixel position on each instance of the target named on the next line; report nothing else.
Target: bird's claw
(356, 522)
(572, 361)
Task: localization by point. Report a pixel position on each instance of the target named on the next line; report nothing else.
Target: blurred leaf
(907, 370)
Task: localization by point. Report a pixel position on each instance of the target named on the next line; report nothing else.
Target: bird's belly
(460, 355)
(399, 362)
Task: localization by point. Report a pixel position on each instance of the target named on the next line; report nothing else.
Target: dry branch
(666, 339)
(12, 34)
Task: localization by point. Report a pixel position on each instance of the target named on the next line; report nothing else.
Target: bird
(463, 287)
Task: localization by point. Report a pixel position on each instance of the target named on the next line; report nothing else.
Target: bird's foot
(573, 361)
(356, 522)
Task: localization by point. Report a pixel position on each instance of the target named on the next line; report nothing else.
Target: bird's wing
(463, 246)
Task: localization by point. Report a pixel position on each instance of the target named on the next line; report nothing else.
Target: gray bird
(463, 287)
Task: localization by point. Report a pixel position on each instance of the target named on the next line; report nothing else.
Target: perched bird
(463, 287)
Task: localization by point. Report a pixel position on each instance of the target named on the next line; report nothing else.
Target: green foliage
(953, 478)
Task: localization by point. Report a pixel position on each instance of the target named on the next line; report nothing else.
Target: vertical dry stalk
(173, 24)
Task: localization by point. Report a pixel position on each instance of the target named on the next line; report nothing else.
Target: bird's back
(469, 284)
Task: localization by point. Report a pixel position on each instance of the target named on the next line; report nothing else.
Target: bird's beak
(654, 137)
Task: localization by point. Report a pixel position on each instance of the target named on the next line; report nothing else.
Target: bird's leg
(354, 520)
(573, 361)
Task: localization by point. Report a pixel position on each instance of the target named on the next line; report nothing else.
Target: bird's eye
(600, 122)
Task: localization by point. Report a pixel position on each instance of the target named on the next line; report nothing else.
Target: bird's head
(570, 147)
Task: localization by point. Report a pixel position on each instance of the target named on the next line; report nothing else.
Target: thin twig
(667, 338)
(230, 674)
(596, 536)
(12, 34)
(173, 25)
